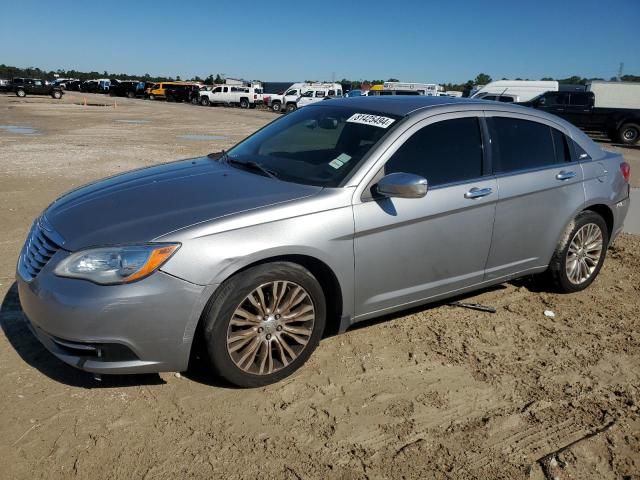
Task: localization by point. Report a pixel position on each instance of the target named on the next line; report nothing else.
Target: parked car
(609, 107)
(34, 86)
(157, 90)
(73, 85)
(183, 93)
(5, 85)
(337, 213)
(127, 88)
(288, 101)
(90, 86)
(245, 97)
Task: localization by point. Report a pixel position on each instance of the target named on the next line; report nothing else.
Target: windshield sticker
(374, 120)
(340, 160)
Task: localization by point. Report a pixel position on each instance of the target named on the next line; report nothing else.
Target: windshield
(315, 145)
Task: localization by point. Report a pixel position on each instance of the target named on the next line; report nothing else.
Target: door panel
(411, 249)
(535, 205)
(408, 250)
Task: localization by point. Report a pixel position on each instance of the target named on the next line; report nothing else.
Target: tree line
(9, 72)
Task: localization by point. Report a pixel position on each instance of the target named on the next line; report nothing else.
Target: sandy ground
(437, 392)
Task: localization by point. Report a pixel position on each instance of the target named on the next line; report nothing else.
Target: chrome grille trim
(42, 243)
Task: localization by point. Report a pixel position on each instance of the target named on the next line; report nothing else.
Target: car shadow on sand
(15, 328)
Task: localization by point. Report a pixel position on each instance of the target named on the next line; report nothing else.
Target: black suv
(127, 88)
(182, 93)
(34, 86)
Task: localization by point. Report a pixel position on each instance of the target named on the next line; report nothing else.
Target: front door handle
(565, 175)
(478, 192)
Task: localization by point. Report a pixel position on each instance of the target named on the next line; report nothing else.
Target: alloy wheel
(583, 254)
(271, 327)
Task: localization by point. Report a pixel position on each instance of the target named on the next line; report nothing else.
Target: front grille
(38, 250)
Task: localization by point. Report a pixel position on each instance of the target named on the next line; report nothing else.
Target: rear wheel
(580, 254)
(21, 93)
(292, 107)
(244, 103)
(264, 323)
(57, 95)
(629, 133)
(131, 94)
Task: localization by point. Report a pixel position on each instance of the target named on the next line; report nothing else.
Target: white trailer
(615, 94)
(516, 90)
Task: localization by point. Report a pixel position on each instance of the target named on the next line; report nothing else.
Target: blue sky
(426, 41)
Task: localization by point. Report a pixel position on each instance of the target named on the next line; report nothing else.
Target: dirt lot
(438, 392)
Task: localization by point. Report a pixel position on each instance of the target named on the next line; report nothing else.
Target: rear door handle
(565, 175)
(478, 192)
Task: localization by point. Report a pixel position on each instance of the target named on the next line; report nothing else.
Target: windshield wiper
(248, 165)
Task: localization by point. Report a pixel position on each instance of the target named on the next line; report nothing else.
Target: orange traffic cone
(85, 101)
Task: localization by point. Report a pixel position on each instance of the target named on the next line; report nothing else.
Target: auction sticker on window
(374, 120)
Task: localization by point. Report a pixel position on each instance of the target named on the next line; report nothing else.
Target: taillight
(625, 168)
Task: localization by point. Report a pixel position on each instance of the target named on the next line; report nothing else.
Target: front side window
(291, 92)
(315, 145)
(308, 94)
(445, 152)
(506, 99)
(555, 99)
(520, 144)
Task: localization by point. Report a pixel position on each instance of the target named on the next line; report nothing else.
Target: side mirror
(402, 185)
(541, 101)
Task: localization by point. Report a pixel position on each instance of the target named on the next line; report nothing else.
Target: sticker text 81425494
(373, 120)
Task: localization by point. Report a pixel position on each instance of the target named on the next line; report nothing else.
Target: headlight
(113, 265)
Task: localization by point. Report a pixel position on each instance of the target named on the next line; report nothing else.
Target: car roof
(400, 105)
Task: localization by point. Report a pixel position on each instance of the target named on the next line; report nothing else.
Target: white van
(289, 99)
(615, 94)
(515, 90)
(319, 93)
(404, 88)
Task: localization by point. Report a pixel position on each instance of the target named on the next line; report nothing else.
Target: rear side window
(444, 152)
(520, 144)
(507, 99)
(581, 99)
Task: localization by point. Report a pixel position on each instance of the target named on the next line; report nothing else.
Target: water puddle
(194, 136)
(135, 122)
(19, 130)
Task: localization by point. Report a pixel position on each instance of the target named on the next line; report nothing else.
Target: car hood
(141, 205)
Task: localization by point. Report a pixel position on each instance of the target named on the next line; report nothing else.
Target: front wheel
(21, 93)
(276, 107)
(580, 254)
(131, 94)
(264, 323)
(204, 101)
(629, 133)
(57, 95)
(244, 103)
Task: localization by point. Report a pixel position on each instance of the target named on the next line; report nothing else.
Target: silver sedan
(339, 212)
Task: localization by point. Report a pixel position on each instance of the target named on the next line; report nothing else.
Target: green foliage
(482, 79)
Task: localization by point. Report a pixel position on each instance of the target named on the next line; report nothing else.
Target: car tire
(131, 94)
(195, 100)
(244, 103)
(57, 95)
(152, 97)
(629, 133)
(276, 107)
(277, 347)
(291, 107)
(21, 93)
(204, 101)
(579, 255)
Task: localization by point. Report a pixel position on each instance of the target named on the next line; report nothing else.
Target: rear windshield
(315, 145)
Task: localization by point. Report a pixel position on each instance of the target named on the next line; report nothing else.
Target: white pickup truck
(300, 94)
(246, 97)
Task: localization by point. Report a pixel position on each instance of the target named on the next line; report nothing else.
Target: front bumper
(147, 326)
